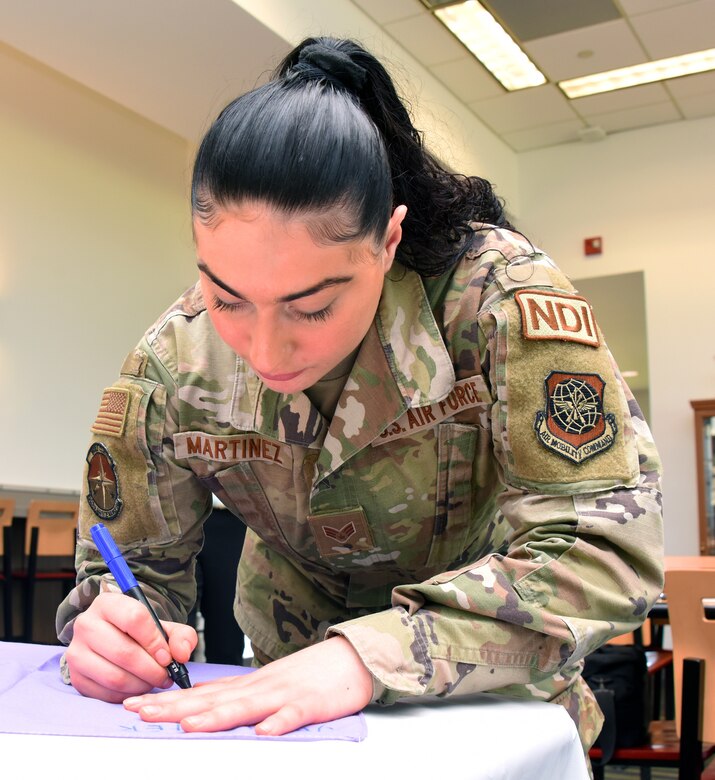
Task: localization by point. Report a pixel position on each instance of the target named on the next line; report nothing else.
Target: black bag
(618, 676)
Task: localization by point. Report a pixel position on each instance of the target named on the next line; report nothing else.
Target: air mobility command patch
(102, 483)
(574, 424)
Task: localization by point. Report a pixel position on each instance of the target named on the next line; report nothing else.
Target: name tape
(232, 449)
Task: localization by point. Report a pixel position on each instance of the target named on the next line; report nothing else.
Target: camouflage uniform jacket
(481, 512)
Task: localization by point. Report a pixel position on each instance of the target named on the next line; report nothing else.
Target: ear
(394, 236)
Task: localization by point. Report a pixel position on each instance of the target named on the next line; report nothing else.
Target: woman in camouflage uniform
(447, 485)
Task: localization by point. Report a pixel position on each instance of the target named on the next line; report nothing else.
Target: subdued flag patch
(112, 412)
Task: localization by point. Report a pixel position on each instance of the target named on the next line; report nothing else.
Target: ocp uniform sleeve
(582, 496)
(153, 507)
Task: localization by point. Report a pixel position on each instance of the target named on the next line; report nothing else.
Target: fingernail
(150, 710)
(194, 721)
(131, 701)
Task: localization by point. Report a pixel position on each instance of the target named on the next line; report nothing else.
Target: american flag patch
(112, 412)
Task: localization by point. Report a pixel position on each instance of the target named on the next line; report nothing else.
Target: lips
(280, 377)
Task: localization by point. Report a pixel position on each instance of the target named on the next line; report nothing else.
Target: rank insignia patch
(102, 483)
(342, 534)
(574, 424)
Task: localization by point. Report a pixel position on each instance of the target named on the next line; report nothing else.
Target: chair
(684, 743)
(693, 636)
(660, 666)
(7, 512)
(50, 533)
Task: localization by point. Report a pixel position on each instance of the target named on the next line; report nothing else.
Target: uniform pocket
(266, 503)
(458, 480)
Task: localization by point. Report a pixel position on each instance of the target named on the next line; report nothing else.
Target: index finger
(134, 619)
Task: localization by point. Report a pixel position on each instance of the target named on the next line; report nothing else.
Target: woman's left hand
(320, 683)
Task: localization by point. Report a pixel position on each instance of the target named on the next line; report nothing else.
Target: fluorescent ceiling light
(646, 73)
(480, 32)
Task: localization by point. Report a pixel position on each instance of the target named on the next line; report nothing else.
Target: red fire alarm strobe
(593, 246)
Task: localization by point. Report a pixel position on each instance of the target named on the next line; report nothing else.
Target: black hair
(329, 137)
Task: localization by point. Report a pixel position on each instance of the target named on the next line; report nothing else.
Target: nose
(270, 345)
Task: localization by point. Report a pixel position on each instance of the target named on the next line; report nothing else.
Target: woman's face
(291, 308)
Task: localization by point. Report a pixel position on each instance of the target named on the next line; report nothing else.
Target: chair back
(57, 525)
(687, 582)
(7, 511)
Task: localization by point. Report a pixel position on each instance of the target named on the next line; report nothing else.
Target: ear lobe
(394, 235)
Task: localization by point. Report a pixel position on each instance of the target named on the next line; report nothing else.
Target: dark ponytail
(329, 135)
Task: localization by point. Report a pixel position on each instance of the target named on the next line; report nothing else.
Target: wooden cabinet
(705, 449)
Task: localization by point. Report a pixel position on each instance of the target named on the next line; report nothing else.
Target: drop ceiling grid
(543, 116)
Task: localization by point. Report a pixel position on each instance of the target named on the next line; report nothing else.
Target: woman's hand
(117, 650)
(320, 683)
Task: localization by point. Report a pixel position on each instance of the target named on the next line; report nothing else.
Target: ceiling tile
(468, 79)
(539, 18)
(636, 117)
(697, 106)
(635, 7)
(524, 109)
(621, 99)
(688, 86)
(427, 39)
(694, 95)
(547, 135)
(385, 12)
(563, 56)
(677, 30)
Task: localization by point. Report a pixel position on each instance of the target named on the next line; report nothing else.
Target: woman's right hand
(117, 651)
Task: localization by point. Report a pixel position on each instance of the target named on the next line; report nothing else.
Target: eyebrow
(331, 281)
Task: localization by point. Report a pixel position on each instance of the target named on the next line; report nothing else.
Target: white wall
(94, 242)
(650, 195)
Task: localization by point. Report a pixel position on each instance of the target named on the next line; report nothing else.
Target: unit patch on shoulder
(557, 316)
(574, 424)
(102, 483)
(112, 412)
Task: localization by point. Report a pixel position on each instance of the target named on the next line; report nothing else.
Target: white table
(477, 738)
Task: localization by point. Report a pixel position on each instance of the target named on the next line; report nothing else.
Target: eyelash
(223, 306)
(313, 316)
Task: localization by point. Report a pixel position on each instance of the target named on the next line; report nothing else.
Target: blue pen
(129, 585)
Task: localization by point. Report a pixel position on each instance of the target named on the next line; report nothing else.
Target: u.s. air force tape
(466, 394)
